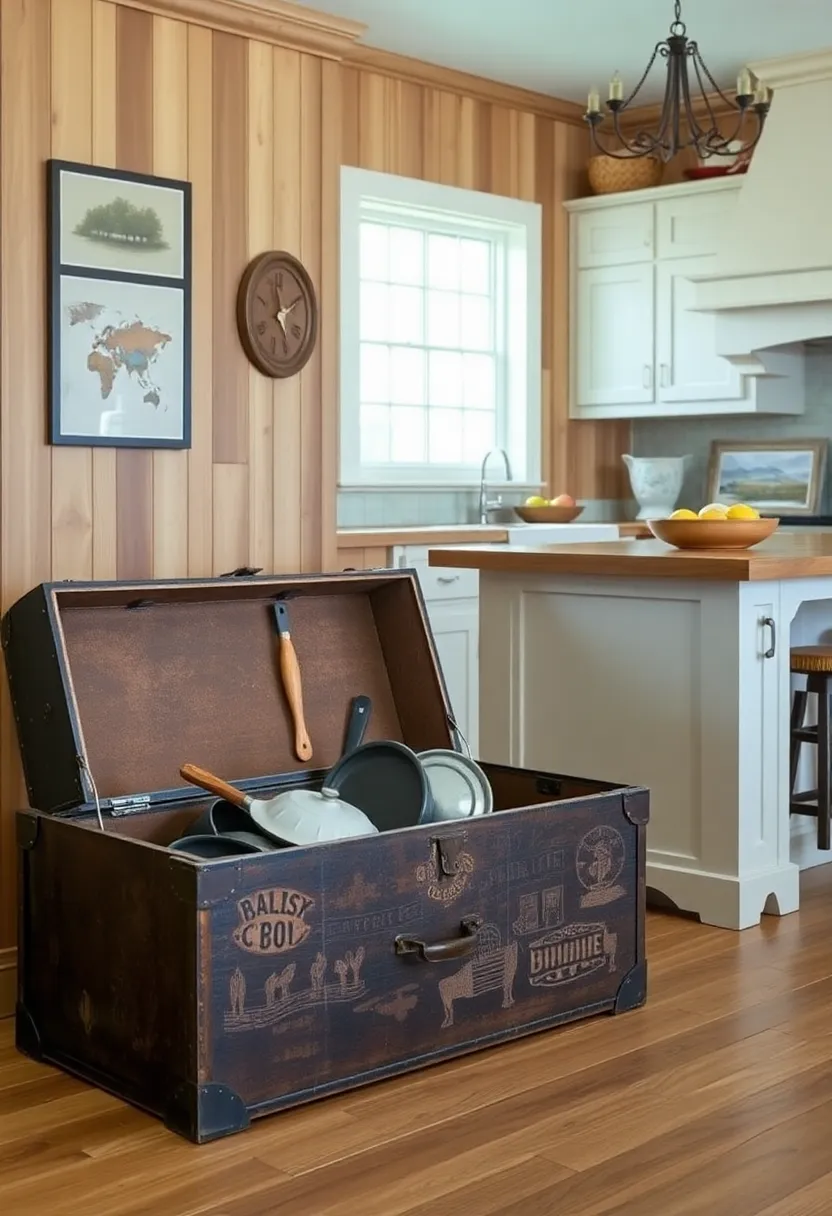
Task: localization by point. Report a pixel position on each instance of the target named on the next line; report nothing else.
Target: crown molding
(303, 29)
(806, 68)
(494, 92)
(273, 21)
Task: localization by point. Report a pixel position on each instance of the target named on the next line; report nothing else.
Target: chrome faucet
(485, 505)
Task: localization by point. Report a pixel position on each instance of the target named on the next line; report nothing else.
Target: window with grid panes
(440, 332)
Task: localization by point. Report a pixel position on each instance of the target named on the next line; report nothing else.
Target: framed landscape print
(782, 477)
(119, 308)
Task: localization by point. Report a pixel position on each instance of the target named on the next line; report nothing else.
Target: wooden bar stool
(815, 662)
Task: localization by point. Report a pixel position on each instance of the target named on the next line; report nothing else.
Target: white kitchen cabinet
(613, 236)
(455, 628)
(616, 301)
(452, 604)
(637, 350)
(689, 369)
(685, 684)
(690, 225)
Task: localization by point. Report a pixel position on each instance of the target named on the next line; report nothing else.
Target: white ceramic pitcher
(657, 483)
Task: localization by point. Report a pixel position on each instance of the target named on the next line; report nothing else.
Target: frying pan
(458, 785)
(221, 818)
(357, 724)
(212, 846)
(386, 781)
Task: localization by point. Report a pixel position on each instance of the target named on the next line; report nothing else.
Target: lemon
(535, 501)
(741, 510)
(683, 513)
(714, 510)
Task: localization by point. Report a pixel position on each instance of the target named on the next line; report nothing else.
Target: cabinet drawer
(437, 582)
(440, 583)
(614, 236)
(693, 226)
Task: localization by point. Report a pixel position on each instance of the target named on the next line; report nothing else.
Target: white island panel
(666, 683)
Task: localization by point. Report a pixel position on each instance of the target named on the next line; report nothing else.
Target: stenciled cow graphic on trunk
(494, 967)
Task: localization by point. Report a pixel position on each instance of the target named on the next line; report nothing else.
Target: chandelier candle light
(678, 108)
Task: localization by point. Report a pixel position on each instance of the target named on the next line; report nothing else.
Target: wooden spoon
(290, 674)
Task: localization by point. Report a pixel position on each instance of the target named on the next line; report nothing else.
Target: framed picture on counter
(119, 308)
(778, 477)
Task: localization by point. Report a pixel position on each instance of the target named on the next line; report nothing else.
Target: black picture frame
(168, 274)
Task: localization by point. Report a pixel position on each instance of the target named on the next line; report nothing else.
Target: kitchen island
(634, 662)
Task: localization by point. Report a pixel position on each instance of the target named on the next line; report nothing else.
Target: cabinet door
(689, 367)
(455, 627)
(763, 732)
(612, 236)
(693, 225)
(614, 341)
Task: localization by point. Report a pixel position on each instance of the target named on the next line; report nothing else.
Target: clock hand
(283, 313)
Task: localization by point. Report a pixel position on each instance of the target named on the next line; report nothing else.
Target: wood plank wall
(261, 132)
(395, 126)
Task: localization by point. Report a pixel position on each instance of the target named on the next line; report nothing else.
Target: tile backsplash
(651, 437)
(402, 509)
(679, 436)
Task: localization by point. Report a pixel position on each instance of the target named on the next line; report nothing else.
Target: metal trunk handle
(452, 947)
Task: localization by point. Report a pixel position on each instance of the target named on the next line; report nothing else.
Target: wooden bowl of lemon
(714, 527)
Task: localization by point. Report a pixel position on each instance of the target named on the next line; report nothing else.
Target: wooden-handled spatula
(290, 674)
(297, 816)
(216, 785)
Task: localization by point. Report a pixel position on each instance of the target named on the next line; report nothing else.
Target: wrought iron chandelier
(678, 108)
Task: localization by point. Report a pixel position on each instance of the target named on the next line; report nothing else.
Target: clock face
(277, 314)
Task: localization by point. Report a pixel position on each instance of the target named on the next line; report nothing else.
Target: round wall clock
(277, 314)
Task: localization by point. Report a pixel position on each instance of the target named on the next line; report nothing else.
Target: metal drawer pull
(647, 379)
(769, 654)
(452, 947)
(447, 578)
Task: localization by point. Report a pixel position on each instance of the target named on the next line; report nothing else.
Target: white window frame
(518, 223)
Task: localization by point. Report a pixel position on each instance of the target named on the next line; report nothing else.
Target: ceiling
(561, 47)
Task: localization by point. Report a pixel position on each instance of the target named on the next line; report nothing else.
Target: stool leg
(824, 807)
(801, 696)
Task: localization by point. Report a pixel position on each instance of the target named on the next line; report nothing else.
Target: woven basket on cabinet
(609, 176)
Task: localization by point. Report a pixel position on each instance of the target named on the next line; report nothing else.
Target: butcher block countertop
(779, 557)
(446, 534)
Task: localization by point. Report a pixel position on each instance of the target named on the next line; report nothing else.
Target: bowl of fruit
(560, 510)
(714, 527)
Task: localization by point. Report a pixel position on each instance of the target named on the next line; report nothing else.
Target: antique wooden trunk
(211, 992)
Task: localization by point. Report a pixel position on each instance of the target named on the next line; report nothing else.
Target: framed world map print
(119, 308)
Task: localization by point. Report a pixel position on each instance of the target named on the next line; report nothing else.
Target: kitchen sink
(560, 534)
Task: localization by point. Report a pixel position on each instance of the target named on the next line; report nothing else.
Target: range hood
(770, 285)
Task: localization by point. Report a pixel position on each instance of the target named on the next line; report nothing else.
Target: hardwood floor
(715, 1099)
